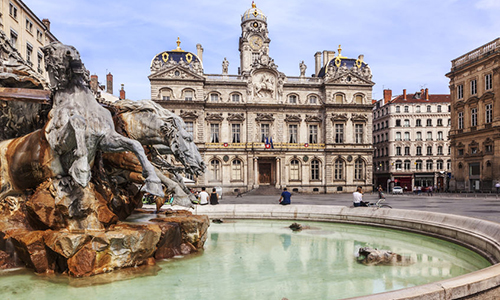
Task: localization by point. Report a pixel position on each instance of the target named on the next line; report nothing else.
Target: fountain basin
(478, 235)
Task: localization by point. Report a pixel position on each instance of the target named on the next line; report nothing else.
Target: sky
(409, 44)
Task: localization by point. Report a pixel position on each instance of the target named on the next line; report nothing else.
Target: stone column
(255, 172)
(278, 172)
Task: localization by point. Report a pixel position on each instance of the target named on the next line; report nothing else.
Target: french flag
(267, 143)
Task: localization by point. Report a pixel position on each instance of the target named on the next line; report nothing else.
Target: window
(39, 35)
(407, 165)
(292, 133)
(29, 26)
(439, 108)
(429, 122)
(406, 109)
(460, 91)
(235, 97)
(166, 94)
(40, 60)
(419, 136)
(339, 98)
(29, 53)
(449, 122)
(215, 170)
(398, 136)
(386, 136)
(214, 133)
(488, 148)
(13, 10)
(473, 87)
(398, 123)
(418, 165)
(339, 133)
(429, 165)
(448, 164)
(417, 109)
(255, 57)
(407, 123)
(429, 150)
(440, 136)
(339, 169)
(358, 131)
(440, 122)
(439, 164)
(429, 135)
(398, 151)
(190, 128)
(264, 132)
(294, 170)
(407, 136)
(407, 150)
(489, 113)
(440, 150)
(488, 82)
(236, 170)
(315, 169)
(292, 99)
(358, 99)
(461, 120)
(188, 95)
(358, 169)
(399, 164)
(214, 97)
(473, 117)
(313, 100)
(398, 109)
(418, 123)
(313, 134)
(460, 152)
(419, 150)
(235, 133)
(13, 38)
(429, 108)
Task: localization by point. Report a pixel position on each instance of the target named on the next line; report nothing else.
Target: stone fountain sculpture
(65, 186)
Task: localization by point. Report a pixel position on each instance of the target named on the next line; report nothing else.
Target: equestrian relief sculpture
(66, 186)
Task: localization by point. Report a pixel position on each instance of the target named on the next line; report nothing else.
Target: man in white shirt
(203, 197)
(358, 197)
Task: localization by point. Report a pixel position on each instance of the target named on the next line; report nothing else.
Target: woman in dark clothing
(214, 197)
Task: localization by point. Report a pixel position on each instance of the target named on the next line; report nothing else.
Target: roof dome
(253, 14)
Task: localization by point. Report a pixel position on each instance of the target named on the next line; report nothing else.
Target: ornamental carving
(217, 117)
(339, 117)
(264, 117)
(293, 118)
(236, 117)
(188, 115)
(161, 63)
(264, 85)
(359, 117)
(313, 119)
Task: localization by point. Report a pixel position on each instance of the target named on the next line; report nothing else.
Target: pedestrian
(429, 191)
(358, 197)
(285, 198)
(214, 197)
(497, 185)
(419, 190)
(203, 197)
(380, 192)
(406, 188)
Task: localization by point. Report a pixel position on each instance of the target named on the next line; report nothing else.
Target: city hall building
(261, 127)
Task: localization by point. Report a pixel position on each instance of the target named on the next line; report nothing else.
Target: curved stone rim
(478, 235)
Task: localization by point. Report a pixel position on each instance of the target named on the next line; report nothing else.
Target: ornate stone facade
(262, 127)
(475, 114)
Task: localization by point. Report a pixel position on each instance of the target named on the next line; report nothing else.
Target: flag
(267, 143)
(272, 145)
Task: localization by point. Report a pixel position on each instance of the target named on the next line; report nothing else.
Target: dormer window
(292, 99)
(214, 97)
(313, 100)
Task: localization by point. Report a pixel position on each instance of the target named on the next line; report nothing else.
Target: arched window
(166, 94)
(440, 150)
(418, 165)
(188, 94)
(398, 109)
(407, 109)
(407, 165)
(214, 97)
(294, 170)
(313, 99)
(314, 169)
(358, 99)
(215, 170)
(236, 170)
(339, 98)
(339, 169)
(439, 164)
(439, 108)
(359, 169)
(429, 108)
(429, 165)
(399, 165)
(292, 99)
(235, 97)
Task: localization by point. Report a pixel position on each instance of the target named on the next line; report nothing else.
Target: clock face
(255, 42)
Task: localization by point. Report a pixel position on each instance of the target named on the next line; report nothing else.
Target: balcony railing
(476, 54)
(276, 146)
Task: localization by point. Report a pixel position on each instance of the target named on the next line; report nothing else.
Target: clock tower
(254, 40)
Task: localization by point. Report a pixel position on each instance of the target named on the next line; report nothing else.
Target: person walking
(380, 192)
(285, 198)
(358, 197)
(203, 197)
(214, 197)
(497, 185)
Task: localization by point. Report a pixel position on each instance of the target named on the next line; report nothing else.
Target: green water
(265, 260)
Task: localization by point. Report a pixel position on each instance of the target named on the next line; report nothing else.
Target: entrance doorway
(266, 172)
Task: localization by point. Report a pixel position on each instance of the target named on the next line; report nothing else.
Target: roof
(348, 62)
(420, 98)
(253, 14)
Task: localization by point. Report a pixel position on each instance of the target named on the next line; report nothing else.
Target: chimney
(325, 57)
(404, 94)
(387, 96)
(109, 83)
(46, 22)
(122, 92)
(374, 101)
(94, 83)
(317, 63)
(199, 52)
(426, 94)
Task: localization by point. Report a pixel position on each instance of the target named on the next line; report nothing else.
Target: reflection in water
(265, 260)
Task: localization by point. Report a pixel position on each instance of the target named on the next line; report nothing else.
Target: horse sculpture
(78, 127)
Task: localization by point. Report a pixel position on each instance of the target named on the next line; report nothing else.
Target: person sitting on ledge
(358, 197)
(285, 197)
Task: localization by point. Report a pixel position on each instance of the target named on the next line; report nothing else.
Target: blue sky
(407, 43)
